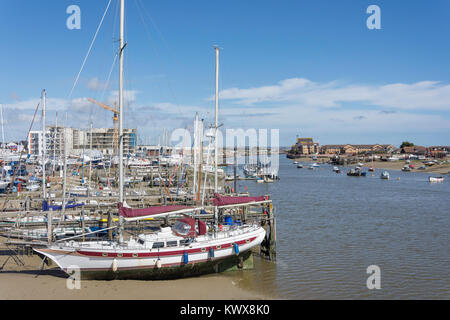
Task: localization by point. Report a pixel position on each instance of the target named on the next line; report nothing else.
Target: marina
(188, 151)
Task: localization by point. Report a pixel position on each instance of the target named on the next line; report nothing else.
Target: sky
(307, 68)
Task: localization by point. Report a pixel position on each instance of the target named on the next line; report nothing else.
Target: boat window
(185, 242)
(140, 241)
(181, 228)
(158, 245)
(172, 243)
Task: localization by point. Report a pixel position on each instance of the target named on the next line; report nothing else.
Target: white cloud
(129, 97)
(96, 85)
(426, 95)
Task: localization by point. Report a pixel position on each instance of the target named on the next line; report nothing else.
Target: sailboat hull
(166, 263)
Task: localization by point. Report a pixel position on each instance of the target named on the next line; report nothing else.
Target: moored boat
(384, 175)
(356, 173)
(436, 179)
(336, 169)
(189, 247)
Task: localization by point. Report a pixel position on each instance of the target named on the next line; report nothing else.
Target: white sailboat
(190, 246)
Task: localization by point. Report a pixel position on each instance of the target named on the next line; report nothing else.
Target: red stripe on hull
(161, 253)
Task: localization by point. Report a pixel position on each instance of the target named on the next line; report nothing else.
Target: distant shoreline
(390, 165)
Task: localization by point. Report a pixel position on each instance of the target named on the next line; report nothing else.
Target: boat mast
(122, 18)
(44, 143)
(216, 127)
(65, 168)
(195, 154)
(90, 165)
(121, 200)
(44, 146)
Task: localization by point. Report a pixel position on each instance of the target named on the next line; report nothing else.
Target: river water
(331, 228)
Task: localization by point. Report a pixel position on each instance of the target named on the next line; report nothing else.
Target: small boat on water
(356, 173)
(315, 165)
(385, 175)
(406, 169)
(299, 166)
(336, 169)
(371, 169)
(268, 179)
(295, 162)
(436, 179)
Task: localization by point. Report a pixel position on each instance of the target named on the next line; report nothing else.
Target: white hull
(110, 257)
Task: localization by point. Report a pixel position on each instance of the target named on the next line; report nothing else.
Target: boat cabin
(180, 234)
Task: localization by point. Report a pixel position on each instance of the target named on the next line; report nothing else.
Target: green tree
(406, 144)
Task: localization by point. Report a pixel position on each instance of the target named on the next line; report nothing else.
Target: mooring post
(272, 235)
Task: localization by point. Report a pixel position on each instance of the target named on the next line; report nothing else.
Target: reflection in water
(331, 227)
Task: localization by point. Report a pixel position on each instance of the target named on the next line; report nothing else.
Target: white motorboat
(436, 179)
(32, 187)
(384, 175)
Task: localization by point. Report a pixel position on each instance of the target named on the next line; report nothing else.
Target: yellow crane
(115, 120)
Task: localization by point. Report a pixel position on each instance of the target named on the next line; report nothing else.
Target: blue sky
(311, 68)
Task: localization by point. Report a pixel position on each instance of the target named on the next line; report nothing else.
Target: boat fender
(114, 265)
(236, 248)
(211, 252)
(185, 258)
(158, 263)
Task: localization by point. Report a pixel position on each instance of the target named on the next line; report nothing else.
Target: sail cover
(224, 201)
(133, 213)
(69, 205)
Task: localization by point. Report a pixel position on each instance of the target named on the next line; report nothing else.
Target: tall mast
(122, 18)
(54, 143)
(90, 164)
(44, 143)
(65, 168)
(195, 160)
(216, 126)
(122, 46)
(44, 147)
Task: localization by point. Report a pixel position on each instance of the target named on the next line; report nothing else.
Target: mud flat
(29, 283)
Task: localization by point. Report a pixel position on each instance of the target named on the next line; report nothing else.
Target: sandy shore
(27, 283)
(392, 165)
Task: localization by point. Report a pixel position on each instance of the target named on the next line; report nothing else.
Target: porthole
(104, 254)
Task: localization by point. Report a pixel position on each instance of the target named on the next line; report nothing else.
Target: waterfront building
(305, 146)
(78, 140)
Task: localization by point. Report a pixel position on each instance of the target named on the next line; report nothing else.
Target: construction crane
(115, 120)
